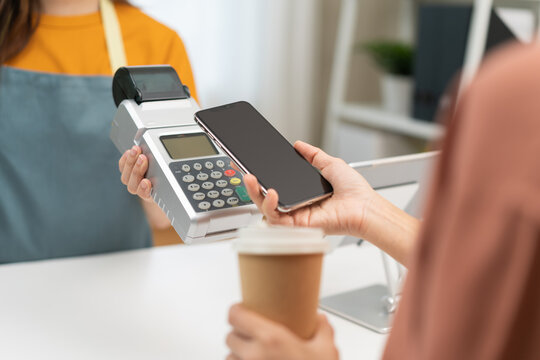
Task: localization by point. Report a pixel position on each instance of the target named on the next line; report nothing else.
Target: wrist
(368, 218)
(388, 227)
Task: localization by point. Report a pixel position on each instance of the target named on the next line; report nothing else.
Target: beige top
(473, 290)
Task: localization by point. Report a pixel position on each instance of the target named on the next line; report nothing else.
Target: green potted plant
(395, 59)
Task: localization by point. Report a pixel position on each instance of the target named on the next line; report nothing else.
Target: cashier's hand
(133, 165)
(342, 213)
(255, 337)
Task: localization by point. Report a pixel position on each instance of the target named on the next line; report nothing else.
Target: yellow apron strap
(113, 35)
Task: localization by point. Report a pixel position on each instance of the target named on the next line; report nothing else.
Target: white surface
(160, 303)
(476, 41)
(340, 72)
(357, 143)
(377, 118)
(520, 21)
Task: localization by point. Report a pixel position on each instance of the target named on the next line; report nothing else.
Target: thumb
(331, 168)
(313, 155)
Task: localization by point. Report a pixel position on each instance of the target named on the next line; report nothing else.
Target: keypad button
(216, 174)
(209, 165)
(242, 193)
(218, 203)
(197, 166)
(207, 185)
(188, 178)
(232, 200)
(221, 183)
(213, 194)
(193, 187)
(186, 168)
(204, 205)
(202, 176)
(235, 181)
(230, 172)
(227, 192)
(199, 196)
(220, 163)
(175, 167)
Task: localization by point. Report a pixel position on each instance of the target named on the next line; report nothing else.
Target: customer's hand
(255, 337)
(133, 165)
(342, 213)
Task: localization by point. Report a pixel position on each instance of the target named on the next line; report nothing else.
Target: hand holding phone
(258, 148)
(348, 211)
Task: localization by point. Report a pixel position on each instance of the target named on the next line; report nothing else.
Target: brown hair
(18, 21)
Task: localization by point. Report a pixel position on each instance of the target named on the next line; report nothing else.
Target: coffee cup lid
(281, 240)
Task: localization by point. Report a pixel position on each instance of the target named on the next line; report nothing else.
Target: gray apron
(60, 189)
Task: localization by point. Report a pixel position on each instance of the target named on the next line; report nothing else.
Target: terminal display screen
(183, 146)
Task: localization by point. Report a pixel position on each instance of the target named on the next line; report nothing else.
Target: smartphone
(258, 148)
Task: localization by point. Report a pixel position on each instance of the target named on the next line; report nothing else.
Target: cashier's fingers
(233, 357)
(145, 186)
(137, 173)
(122, 161)
(131, 158)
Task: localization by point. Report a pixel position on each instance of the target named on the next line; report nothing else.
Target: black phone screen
(264, 152)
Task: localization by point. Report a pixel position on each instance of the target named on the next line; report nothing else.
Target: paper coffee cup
(280, 273)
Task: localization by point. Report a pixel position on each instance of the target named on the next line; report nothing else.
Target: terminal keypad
(211, 183)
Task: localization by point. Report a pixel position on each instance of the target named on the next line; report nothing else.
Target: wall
(375, 20)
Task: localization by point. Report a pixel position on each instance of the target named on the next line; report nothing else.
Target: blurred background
(360, 78)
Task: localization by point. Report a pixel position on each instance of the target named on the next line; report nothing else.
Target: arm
(133, 165)
(354, 208)
(391, 229)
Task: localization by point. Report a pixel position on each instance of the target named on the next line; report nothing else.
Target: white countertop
(160, 303)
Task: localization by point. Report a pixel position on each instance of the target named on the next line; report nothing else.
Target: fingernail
(139, 160)
(143, 185)
(133, 152)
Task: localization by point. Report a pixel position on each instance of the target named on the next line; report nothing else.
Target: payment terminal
(192, 180)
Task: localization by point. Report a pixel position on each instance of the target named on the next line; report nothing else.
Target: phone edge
(289, 208)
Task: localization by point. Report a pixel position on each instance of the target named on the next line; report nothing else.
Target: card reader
(192, 180)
